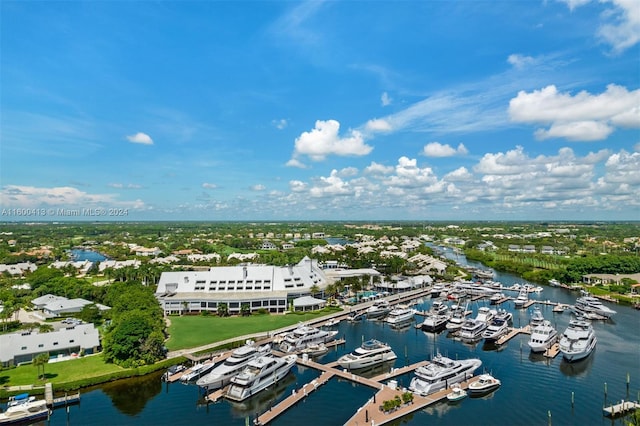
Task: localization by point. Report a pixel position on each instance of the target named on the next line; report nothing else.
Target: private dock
(60, 401)
(513, 332)
(620, 409)
(553, 351)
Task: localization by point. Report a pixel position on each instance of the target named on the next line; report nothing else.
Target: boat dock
(513, 332)
(553, 351)
(620, 409)
(371, 413)
(60, 401)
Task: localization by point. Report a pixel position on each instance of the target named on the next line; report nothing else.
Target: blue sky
(351, 110)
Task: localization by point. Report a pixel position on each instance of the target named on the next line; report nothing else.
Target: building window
(71, 341)
(203, 304)
(55, 343)
(255, 304)
(212, 304)
(234, 305)
(24, 348)
(41, 345)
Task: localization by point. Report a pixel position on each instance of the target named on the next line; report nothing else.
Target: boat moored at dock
(441, 373)
(370, 353)
(305, 335)
(400, 314)
(590, 304)
(260, 373)
(543, 336)
(25, 412)
(221, 374)
(485, 384)
(577, 341)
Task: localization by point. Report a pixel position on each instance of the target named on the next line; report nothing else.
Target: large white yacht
(536, 317)
(400, 314)
(260, 373)
(472, 330)
(594, 305)
(458, 316)
(521, 300)
(434, 322)
(379, 309)
(495, 330)
(485, 314)
(543, 336)
(441, 373)
(305, 335)
(370, 353)
(577, 341)
(222, 373)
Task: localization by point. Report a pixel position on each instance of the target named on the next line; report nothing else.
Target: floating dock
(513, 332)
(620, 409)
(553, 351)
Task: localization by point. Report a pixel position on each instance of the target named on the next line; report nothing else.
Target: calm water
(531, 386)
(90, 255)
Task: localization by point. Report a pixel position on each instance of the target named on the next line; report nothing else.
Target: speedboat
(536, 317)
(434, 322)
(485, 384)
(222, 373)
(543, 336)
(196, 371)
(260, 373)
(578, 340)
(495, 330)
(456, 394)
(379, 309)
(305, 335)
(315, 349)
(400, 314)
(25, 412)
(370, 353)
(472, 330)
(593, 305)
(441, 373)
(20, 399)
(521, 300)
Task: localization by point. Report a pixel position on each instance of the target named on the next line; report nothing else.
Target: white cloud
(436, 149)
(385, 99)
(62, 196)
(378, 125)
(297, 186)
(636, 147)
(348, 172)
(141, 138)
(324, 140)
(520, 61)
(123, 186)
(296, 163)
(583, 117)
(330, 186)
(208, 185)
(258, 187)
(459, 174)
(378, 169)
(621, 26)
(280, 124)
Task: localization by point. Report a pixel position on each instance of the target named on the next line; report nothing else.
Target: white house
(55, 306)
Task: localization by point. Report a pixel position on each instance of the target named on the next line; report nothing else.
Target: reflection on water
(539, 357)
(376, 370)
(264, 400)
(131, 396)
(579, 368)
(442, 408)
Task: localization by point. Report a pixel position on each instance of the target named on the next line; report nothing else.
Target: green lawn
(191, 331)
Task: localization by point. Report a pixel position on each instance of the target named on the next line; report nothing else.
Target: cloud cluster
(61, 196)
(583, 117)
(324, 140)
(436, 149)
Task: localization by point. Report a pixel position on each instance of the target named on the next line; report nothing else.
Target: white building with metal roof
(17, 348)
(260, 286)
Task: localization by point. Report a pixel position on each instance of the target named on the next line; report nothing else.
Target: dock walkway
(620, 408)
(513, 332)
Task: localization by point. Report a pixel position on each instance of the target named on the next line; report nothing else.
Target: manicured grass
(190, 331)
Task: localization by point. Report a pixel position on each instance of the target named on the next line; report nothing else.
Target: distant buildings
(18, 269)
(53, 306)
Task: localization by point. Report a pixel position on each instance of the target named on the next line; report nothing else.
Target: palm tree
(41, 360)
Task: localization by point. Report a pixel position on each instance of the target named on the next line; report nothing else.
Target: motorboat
(198, 370)
(173, 370)
(400, 314)
(485, 314)
(495, 298)
(260, 373)
(441, 373)
(25, 412)
(457, 318)
(437, 289)
(578, 340)
(486, 383)
(331, 322)
(592, 304)
(521, 299)
(434, 322)
(20, 399)
(472, 330)
(315, 349)
(438, 308)
(222, 373)
(370, 353)
(536, 317)
(305, 335)
(456, 394)
(474, 289)
(554, 283)
(543, 336)
(503, 314)
(379, 309)
(495, 330)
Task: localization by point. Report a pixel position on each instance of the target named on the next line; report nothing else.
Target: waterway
(533, 387)
(90, 255)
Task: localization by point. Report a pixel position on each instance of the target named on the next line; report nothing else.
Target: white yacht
(536, 317)
(305, 335)
(458, 316)
(485, 384)
(494, 299)
(495, 330)
(521, 300)
(578, 340)
(222, 373)
(260, 373)
(198, 370)
(594, 305)
(370, 353)
(437, 289)
(543, 336)
(485, 314)
(379, 309)
(400, 314)
(435, 322)
(439, 308)
(472, 330)
(25, 412)
(441, 373)
(503, 314)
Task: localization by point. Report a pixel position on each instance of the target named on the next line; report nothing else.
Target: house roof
(307, 301)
